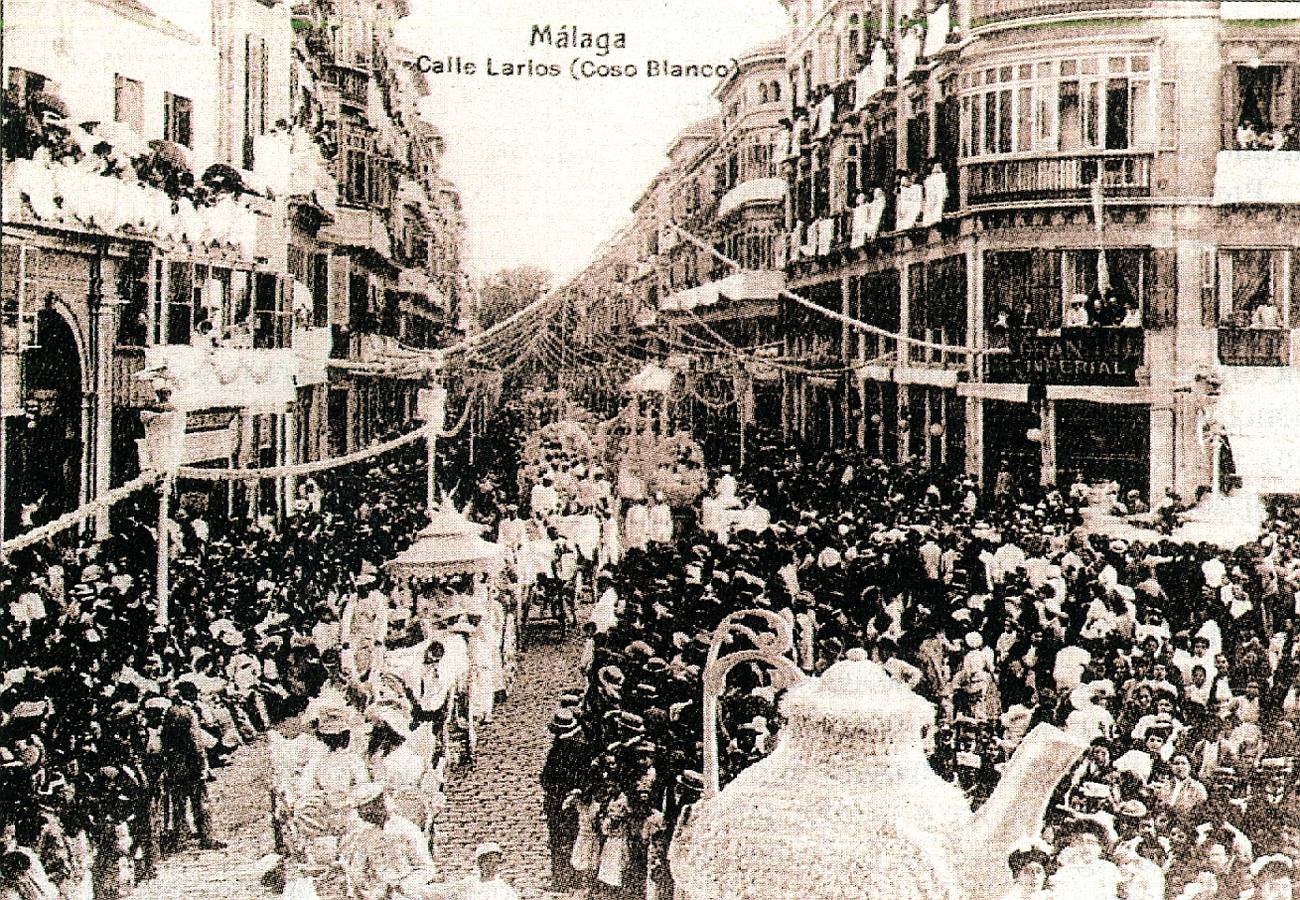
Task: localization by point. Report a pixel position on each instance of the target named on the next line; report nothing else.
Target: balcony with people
(1046, 130)
(1260, 159)
(220, 337)
(1254, 303)
(1071, 317)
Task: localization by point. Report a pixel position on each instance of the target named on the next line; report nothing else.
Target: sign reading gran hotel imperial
(1101, 356)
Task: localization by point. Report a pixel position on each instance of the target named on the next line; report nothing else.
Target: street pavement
(497, 799)
(500, 798)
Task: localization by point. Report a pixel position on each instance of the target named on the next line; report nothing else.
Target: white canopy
(450, 544)
(449, 555)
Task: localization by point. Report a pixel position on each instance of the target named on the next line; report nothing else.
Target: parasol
(451, 544)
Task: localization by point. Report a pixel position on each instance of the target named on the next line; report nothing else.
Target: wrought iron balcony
(1254, 346)
(1058, 177)
(352, 83)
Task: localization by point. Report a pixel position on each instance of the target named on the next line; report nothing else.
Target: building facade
(1080, 216)
(250, 214)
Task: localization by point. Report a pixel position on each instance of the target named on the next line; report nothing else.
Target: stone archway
(45, 448)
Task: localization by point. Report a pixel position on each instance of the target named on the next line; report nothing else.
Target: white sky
(549, 168)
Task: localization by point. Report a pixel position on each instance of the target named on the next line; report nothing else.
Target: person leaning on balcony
(1265, 316)
(1076, 315)
(1246, 136)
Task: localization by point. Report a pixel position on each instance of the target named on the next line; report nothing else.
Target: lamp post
(162, 451)
(431, 408)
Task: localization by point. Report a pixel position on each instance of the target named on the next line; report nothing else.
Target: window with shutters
(1254, 288)
(255, 88)
(178, 119)
(128, 103)
(1109, 290)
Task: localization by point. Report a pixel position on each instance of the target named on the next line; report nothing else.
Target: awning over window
(1257, 176)
(652, 379)
(1257, 409)
(756, 190)
(689, 299)
(752, 284)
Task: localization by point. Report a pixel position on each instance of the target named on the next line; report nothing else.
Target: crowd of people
(112, 720)
(1176, 663)
(1266, 136)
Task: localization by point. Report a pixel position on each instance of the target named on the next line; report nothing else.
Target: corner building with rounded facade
(1095, 199)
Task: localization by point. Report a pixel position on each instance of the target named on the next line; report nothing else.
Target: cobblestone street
(498, 799)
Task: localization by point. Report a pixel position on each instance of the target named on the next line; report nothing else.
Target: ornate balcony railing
(984, 12)
(1058, 177)
(1254, 346)
(352, 83)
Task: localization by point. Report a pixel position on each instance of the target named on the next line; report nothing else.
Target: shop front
(1067, 403)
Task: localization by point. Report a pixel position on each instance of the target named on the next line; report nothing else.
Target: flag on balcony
(1099, 221)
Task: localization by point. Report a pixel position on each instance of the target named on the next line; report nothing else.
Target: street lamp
(431, 408)
(162, 450)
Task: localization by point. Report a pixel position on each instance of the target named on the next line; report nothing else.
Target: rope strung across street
(80, 514)
(840, 317)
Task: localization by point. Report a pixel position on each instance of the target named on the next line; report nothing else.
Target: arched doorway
(44, 468)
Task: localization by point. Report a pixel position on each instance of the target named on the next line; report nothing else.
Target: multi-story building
(1071, 213)
(723, 184)
(219, 215)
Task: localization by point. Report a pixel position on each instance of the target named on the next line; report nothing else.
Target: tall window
(1075, 104)
(1022, 289)
(255, 76)
(1253, 288)
(128, 103)
(180, 302)
(178, 113)
(1264, 105)
(1128, 274)
(272, 309)
(356, 159)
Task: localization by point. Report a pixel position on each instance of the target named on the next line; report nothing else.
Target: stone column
(1163, 442)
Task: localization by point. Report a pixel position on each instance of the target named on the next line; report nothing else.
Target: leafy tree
(510, 290)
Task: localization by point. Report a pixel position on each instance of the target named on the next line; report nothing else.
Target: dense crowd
(111, 723)
(1176, 663)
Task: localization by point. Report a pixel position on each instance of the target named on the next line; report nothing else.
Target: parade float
(847, 806)
(562, 445)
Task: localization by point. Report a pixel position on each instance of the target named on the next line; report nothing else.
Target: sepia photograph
(649, 450)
